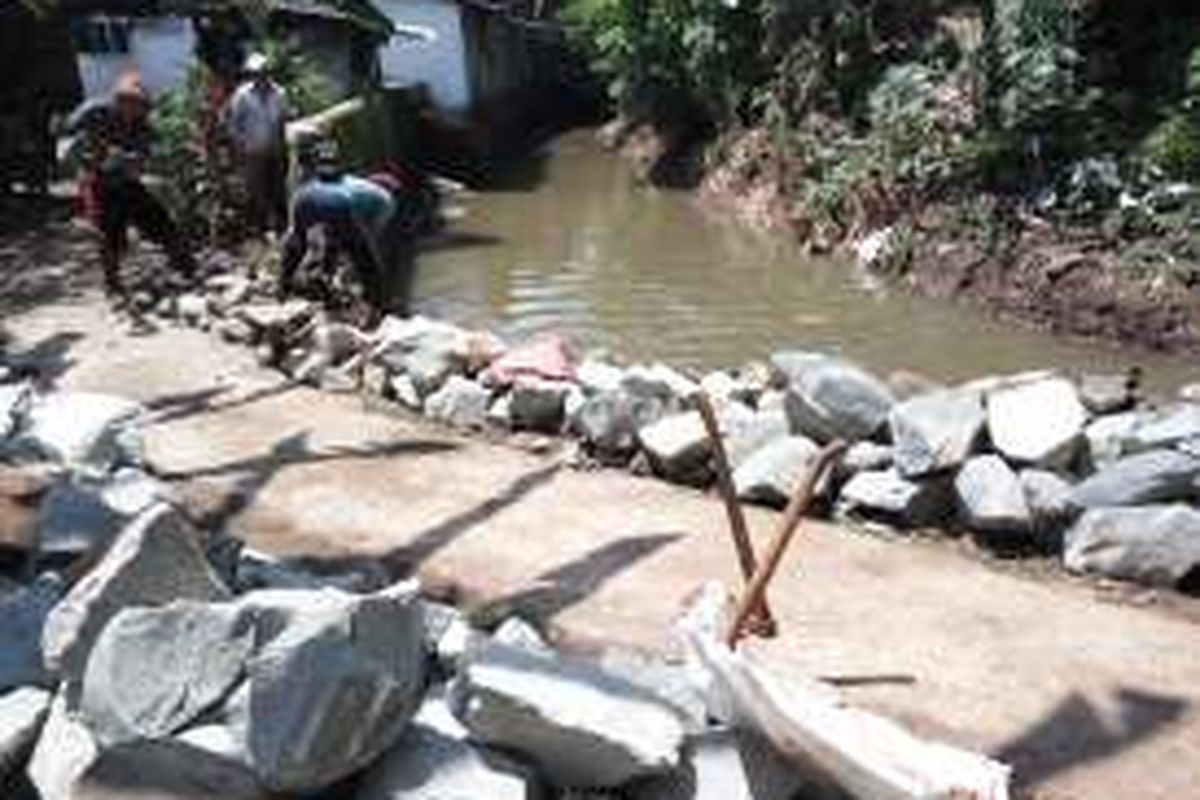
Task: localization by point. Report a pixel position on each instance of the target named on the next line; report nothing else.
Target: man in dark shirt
(117, 139)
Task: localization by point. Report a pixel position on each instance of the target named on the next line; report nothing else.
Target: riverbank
(1050, 674)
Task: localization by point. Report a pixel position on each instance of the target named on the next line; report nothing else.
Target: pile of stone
(141, 655)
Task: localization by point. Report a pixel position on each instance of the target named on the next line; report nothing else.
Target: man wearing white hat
(256, 118)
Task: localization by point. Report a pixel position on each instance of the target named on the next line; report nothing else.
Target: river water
(572, 243)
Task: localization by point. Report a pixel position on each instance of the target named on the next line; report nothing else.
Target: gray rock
(990, 497)
(155, 560)
(1106, 394)
(516, 632)
(192, 309)
(428, 351)
(597, 377)
(581, 726)
(272, 320)
(672, 683)
(73, 519)
(333, 681)
(166, 769)
(746, 432)
(829, 398)
(84, 429)
(1166, 427)
(771, 474)
(23, 712)
(671, 387)
(609, 421)
(865, 457)
(888, 495)
(1157, 476)
(460, 402)
(152, 671)
(936, 432)
(63, 753)
(678, 448)
(499, 413)
(1157, 545)
(405, 391)
(727, 765)
(1107, 437)
(433, 760)
(1038, 422)
(1046, 495)
(23, 614)
(538, 405)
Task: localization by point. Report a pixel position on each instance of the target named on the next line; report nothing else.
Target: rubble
(936, 432)
(1157, 544)
(830, 398)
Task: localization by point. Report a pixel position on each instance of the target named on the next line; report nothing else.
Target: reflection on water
(574, 245)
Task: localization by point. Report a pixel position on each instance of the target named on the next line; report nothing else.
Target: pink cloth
(548, 357)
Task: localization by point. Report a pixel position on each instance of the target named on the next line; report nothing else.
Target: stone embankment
(1076, 466)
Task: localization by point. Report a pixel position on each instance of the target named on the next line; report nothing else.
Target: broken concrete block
(461, 403)
(678, 447)
(990, 497)
(581, 726)
(936, 432)
(771, 474)
(829, 398)
(1157, 545)
(1038, 422)
(155, 560)
(23, 712)
(63, 753)
(23, 615)
(152, 671)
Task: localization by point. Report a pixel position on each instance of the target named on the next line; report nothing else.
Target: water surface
(574, 244)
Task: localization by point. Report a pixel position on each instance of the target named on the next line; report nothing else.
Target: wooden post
(760, 622)
(797, 507)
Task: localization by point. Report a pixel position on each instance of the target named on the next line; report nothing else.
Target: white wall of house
(440, 64)
(162, 49)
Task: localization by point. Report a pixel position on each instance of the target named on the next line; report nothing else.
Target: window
(101, 36)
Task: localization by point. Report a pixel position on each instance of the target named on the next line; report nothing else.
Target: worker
(256, 116)
(357, 216)
(117, 135)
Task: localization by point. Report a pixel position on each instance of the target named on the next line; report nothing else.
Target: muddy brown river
(573, 243)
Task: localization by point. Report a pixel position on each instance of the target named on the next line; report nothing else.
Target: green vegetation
(878, 107)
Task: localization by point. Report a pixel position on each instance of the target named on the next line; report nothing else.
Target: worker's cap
(326, 151)
(256, 64)
(129, 87)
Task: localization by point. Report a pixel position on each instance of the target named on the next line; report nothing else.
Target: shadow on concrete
(255, 473)
(563, 587)
(406, 559)
(45, 361)
(181, 405)
(1074, 733)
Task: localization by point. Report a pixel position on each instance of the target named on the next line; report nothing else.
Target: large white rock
(581, 726)
(1156, 476)
(888, 495)
(333, 681)
(747, 431)
(433, 760)
(23, 712)
(23, 614)
(460, 402)
(990, 497)
(64, 752)
(724, 764)
(597, 377)
(936, 432)
(771, 474)
(84, 429)
(152, 671)
(155, 560)
(678, 447)
(1038, 422)
(830, 398)
(1157, 545)
(1107, 437)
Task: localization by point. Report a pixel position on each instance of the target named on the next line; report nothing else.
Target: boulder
(404, 390)
(152, 671)
(598, 377)
(936, 432)
(1107, 437)
(581, 726)
(547, 358)
(14, 401)
(864, 457)
(1038, 422)
(678, 448)
(671, 388)
(23, 712)
(333, 680)
(157, 558)
(74, 520)
(746, 432)
(165, 769)
(990, 497)
(888, 495)
(771, 475)
(724, 764)
(428, 351)
(1106, 394)
(1166, 427)
(538, 405)
(274, 320)
(829, 398)
(433, 760)
(1157, 545)
(63, 753)
(1156, 476)
(460, 402)
(23, 615)
(84, 430)
(1046, 494)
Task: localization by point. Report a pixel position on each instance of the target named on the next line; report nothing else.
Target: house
(160, 38)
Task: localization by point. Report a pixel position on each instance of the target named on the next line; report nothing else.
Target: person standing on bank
(117, 137)
(256, 117)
